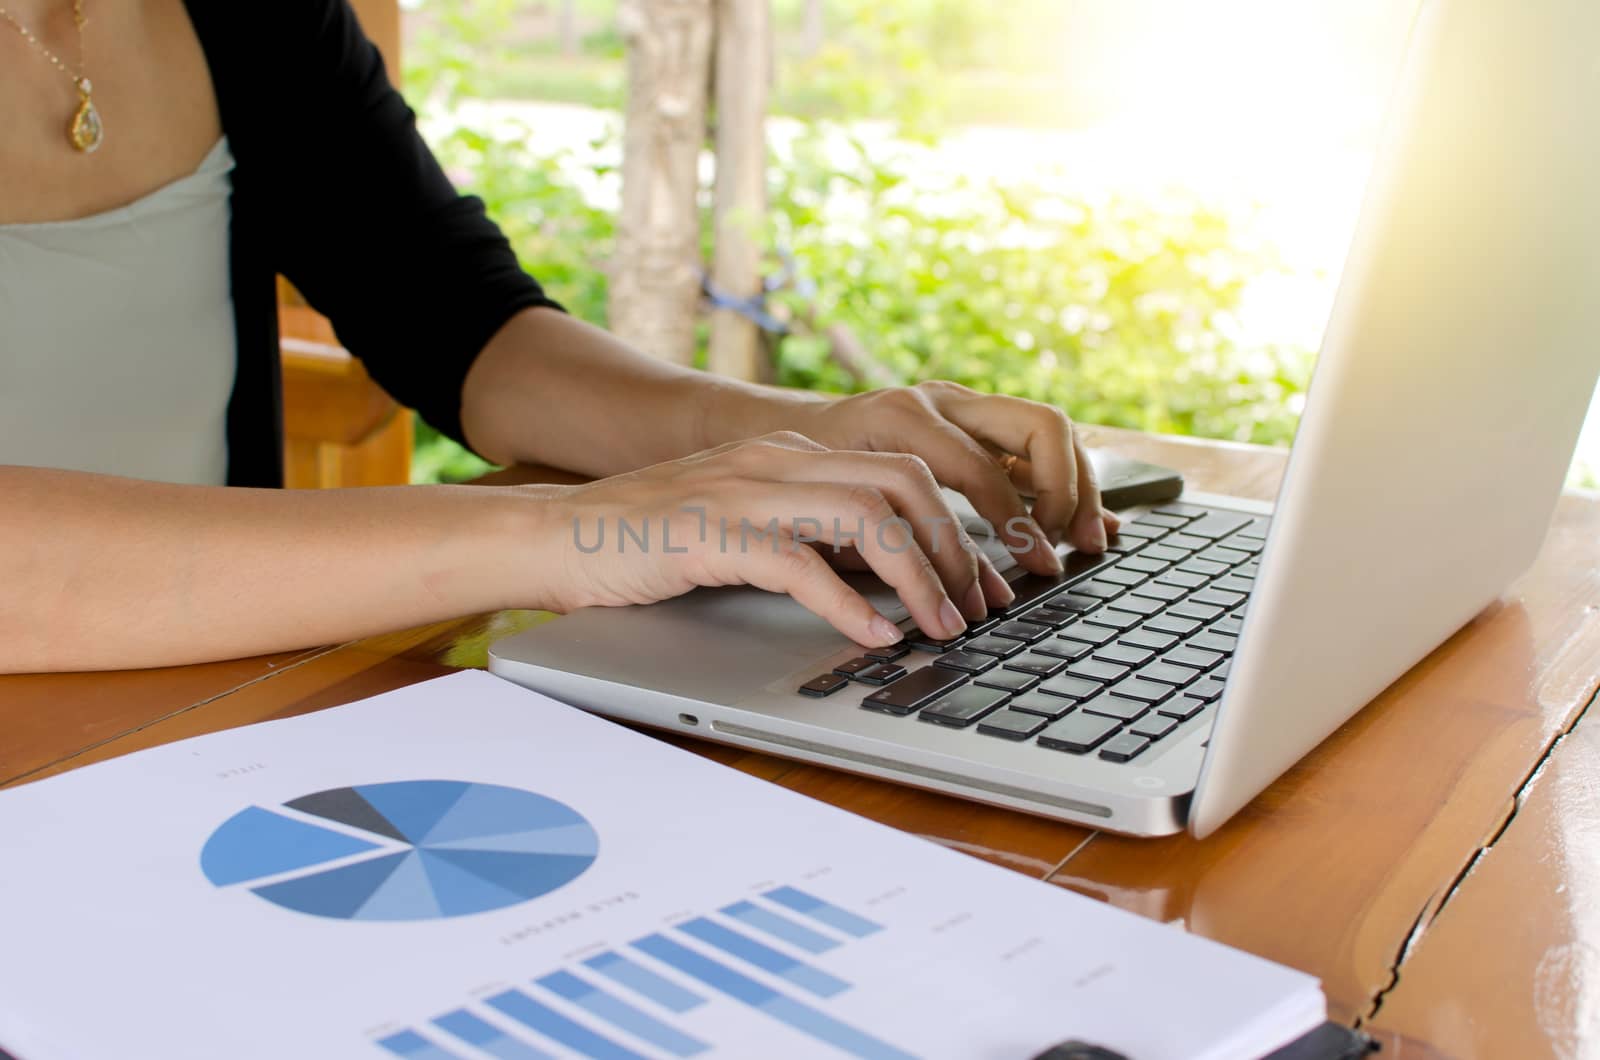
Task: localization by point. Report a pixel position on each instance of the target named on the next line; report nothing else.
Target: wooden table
(1436, 862)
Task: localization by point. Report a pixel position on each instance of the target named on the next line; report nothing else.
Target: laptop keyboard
(1123, 651)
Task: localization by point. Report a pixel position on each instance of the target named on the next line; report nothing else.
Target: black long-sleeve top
(335, 189)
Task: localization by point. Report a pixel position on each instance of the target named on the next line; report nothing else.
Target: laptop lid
(1455, 374)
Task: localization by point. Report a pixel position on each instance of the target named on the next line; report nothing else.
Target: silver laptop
(1164, 685)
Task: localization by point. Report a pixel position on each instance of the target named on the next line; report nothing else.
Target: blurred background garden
(1135, 209)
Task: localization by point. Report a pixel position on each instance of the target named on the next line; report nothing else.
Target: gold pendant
(86, 132)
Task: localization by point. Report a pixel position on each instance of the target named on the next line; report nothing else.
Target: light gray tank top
(117, 345)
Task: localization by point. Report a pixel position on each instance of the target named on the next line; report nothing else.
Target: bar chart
(630, 1001)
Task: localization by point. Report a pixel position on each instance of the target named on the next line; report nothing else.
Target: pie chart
(402, 850)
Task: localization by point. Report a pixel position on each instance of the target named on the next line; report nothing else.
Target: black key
(1192, 657)
(1215, 642)
(1138, 528)
(1062, 648)
(1143, 565)
(1216, 524)
(1188, 511)
(923, 642)
(1050, 619)
(1147, 692)
(1229, 626)
(1078, 733)
(1217, 598)
(1007, 680)
(916, 689)
(967, 662)
(962, 707)
(1077, 564)
(851, 667)
(1149, 638)
(1011, 724)
(1040, 666)
(880, 674)
(1187, 542)
(1231, 556)
(1167, 674)
(982, 626)
(1098, 589)
(999, 647)
(1197, 611)
(1183, 579)
(823, 685)
(1111, 706)
(1167, 624)
(889, 652)
(1125, 654)
(1154, 725)
(1169, 522)
(1026, 632)
(1125, 545)
(1234, 583)
(1181, 707)
(1096, 670)
(1114, 620)
(1162, 552)
(1156, 591)
(1206, 691)
(1124, 747)
(1070, 602)
(1203, 566)
(1117, 576)
(1036, 702)
(1142, 606)
(1031, 588)
(1071, 687)
(1088, 634)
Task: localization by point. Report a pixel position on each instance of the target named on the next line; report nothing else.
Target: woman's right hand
(766, 512)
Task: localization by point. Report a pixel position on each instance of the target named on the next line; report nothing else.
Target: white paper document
(464, 869)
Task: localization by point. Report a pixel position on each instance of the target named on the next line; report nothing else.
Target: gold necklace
(85, 132)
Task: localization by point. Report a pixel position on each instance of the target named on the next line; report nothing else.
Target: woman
(163, 159)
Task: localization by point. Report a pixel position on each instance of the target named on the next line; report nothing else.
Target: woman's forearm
(550, 389)
(99, 572)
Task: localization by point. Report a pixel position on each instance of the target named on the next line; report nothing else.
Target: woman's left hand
(989, 447)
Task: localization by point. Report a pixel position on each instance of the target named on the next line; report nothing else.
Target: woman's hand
(986, 446)
(765, 513)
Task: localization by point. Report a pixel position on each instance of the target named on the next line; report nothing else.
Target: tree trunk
(568, 27)
(655, 283)
(743, 74)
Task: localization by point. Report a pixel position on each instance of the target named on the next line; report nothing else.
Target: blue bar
(801, 1017)
(641, 980)
(779, 927)
(825, 912)
(488, 1037)
(414, 1046)
(764, 957)
(621, 1015)
(552, 1024)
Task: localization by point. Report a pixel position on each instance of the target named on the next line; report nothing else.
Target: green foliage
(1120, 312)
(435, 458)
(443, 57)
